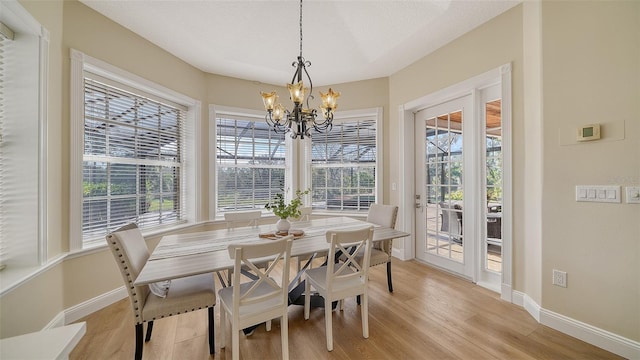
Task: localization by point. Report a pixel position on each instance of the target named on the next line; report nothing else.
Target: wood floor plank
(430, 315)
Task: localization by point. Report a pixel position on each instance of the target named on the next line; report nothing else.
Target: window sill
(13, 276)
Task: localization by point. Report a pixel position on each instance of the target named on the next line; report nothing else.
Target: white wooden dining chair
(242, 218)
(184, 295)
(337, 281)
(260, 300)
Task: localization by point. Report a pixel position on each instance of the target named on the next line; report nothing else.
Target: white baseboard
(595, 336)
(614, 343)
(90, 306)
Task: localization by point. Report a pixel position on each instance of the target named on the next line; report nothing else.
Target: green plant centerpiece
(285, 211)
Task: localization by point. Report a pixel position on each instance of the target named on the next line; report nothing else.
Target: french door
(444, 189)
(459, 186)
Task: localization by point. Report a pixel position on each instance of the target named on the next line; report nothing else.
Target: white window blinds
(250, 163)
(22, 125)
(343, 163)
(133, 160)
(3, 215)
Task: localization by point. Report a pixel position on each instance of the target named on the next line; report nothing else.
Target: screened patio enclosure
(250, 165)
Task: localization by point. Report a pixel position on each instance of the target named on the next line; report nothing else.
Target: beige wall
(591, 74)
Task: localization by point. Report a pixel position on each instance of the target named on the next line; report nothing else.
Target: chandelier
(302, 118)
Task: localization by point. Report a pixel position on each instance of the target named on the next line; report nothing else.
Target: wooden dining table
(187, 254)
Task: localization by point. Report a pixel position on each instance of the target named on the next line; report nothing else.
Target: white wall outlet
(559, 278)
(633, 194)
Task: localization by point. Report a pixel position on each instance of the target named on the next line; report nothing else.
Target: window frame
(32, 41)
(346, 116)
(81, 63)
(216, 111)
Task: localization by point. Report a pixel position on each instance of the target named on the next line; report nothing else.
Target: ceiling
(256, 40)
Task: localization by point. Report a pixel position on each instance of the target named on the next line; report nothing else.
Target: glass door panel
(443, 137)
(493, 187)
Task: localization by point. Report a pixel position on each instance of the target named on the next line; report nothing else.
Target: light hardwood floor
(430, 315)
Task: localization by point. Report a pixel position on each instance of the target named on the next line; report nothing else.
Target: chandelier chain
(300, 28)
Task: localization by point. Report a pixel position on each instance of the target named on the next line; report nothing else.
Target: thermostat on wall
(589, 132)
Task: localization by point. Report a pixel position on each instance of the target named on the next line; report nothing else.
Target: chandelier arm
(310, 95)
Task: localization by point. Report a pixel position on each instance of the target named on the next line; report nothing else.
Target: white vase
(283, 225)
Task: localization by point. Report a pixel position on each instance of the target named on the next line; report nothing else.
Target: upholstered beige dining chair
(383, 215)
(260, 300)
(338, 281)
(184, 295)
(242, 218)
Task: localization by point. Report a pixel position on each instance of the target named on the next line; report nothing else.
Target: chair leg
(139, 335)
(212, 338)
(149, 329)
(389, 276)
(364, 311)
(307, 299)
(328, 313)
(284, 334)
(235, 343)
(223, 326)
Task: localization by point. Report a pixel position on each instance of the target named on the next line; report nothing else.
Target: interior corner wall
(591, 74)
(529, 259)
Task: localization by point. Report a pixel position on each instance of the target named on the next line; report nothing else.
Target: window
(132, 160)
(345, 163)
(23, 84)
(129, 158)
(250, 161)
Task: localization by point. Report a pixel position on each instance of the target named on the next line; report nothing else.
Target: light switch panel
(600, 193)
(633, 194)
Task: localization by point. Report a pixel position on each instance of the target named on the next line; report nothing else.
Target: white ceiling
(345, 41)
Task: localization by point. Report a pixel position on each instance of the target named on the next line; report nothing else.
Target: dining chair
(383, 215)
(242, 218)
(238, 219)
(262, 298)
(183, 295)
(305, 213)
(337, 281)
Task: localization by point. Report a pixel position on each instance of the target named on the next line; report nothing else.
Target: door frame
(502, 75)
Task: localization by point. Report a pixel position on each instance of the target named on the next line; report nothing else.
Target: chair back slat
(350, 244)
(250, 257)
